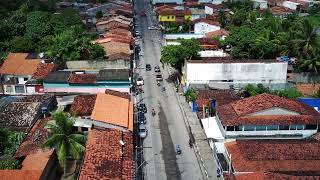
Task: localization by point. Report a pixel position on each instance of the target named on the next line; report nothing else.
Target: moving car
(142, 118)
(140, 81)
(148, 67)
(159, 77)
(156, 69)
(142, 131)
(142, 107)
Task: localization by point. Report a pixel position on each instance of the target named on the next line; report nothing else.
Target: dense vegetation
(252, 90)
(9, 143)
(175, 55)
(35, 28)
(259, 35)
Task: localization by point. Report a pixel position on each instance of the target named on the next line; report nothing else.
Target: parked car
(140, 81)
(142, 131)
(154, 28)
(159, 77)
(142, 118)
(156, 69)
(148, 67)
(142, 107)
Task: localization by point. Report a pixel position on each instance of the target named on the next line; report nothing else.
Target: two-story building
(174, 15)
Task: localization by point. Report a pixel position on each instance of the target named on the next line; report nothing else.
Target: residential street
(167, 128)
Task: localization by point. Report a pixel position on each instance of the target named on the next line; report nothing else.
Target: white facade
(18, 87)
(167, 1)
(213, 53)
(261, 4)
(183, 36)
(290, 5)
(237, 73)
(209, 10)
(203, 27)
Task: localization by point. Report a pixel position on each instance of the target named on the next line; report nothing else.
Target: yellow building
(174, 15)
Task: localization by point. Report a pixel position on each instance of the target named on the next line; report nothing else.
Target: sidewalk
(201, 147)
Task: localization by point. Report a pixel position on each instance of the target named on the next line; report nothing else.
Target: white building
(202, 26)
(167, 1)
(214, 7)
(261, 4)
(263, 116)
(291, 5)
(227, 71)
(197, 14)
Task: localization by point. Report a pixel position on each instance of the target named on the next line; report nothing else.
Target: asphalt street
(167, 128)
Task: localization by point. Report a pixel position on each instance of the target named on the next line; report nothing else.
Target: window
(300, 127)
(19, 89)
(283, 127)
(293, 127)
(238, 128)
(249, 128)
(311, 126)
(230, 128)
(261, 128)
(25, 79)
(274, 127)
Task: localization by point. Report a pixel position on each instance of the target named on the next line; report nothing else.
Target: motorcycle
(153, 112)
(178, 149)
(163, 89)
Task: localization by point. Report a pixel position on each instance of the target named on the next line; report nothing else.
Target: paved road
(167, 128)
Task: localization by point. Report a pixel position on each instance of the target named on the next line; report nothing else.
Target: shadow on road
(168, 151)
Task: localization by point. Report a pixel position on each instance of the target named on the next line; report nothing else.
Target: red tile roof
(82, 78)
(208, 43)
(34, 140)
(105, 158)
(275, 155)
(266, 176)
(238, 112)
(17, 64)
(117, 56)
(43, 70)
(221, 32)
(83, 105)
(280, 10)
(221, 96)
(208, 21)
(216, 6)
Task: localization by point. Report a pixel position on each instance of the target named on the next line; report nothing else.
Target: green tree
(191, 95)
(63, 139)
(99, 14)
(21, 44)
(37, 25)
(222, 18)
(316, 94)
(9, 163)
(311, 61)
(307, 38)
(65, 20)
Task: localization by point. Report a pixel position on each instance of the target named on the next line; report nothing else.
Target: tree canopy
(253, 90)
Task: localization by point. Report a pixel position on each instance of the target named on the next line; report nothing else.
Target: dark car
(142, 107)
(157, 69)
(148, 67)
(159, 77)
(142, 118)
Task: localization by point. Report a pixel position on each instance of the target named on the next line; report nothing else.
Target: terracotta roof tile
(221, 96)
(105, 158)
(280, 10)
(34, 140)
(113, 110)
(217, 6)
(17, 64)
(117, 56)
(238, 112)
(43, 70)
(83, 105)
(82, 78)
(208, 21)
(220, 32)
(275, 155)
(208, 43)
(267, 176)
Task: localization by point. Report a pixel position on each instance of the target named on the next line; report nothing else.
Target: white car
(142, 131)
(140, 81)
(154, 28)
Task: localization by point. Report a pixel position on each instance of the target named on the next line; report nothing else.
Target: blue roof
(313, 102)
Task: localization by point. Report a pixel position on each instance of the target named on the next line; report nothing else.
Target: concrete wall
(183, 36)
(98, 65)
(83, 90)
(202, 27)
(304, 133)
(205, 73)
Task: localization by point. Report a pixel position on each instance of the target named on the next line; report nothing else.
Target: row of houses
(106, 118)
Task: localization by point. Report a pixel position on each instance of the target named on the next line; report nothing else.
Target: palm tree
(312, 61)
(308, 37)
(63, 139)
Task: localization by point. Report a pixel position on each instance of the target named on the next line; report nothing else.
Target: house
(114, 22)
(167, 1)
(208, 43)
(234, 72)
(82, 82)
(267, 116)
(197, 14)
(280, 11)
(221, 34)
(20, 113)
(108, 155)
(115, 61)
(295, 159)
(115, 44)
(291, 5)
(202, 26)
(40, 165)
(214, 8)
(174, 15)
(20, 68)
(260, 4)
